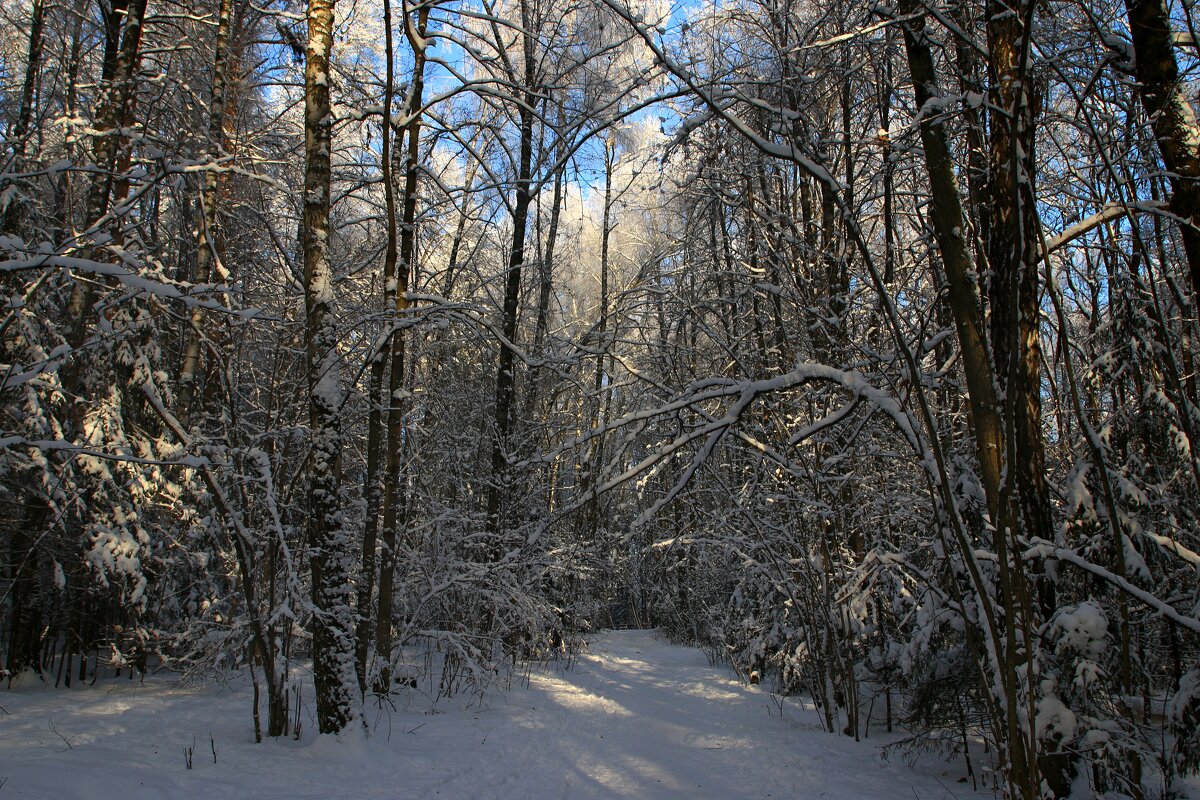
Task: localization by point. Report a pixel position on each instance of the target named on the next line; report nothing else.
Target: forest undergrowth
(855, 344)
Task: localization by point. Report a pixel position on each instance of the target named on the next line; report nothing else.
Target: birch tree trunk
(208, 236)
(329, 542)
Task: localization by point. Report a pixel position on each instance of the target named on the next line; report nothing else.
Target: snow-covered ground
(634, 718)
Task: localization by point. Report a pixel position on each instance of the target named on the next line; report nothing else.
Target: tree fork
(394, 494)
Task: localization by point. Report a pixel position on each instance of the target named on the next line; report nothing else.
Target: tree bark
(209, 233)
(541, 329)
(17, 137)
(329, 542)
(1014, 255)
(600, 390)
(395, 480)
(373, 486)
(948, 226)
(506, 366)
(1167, 105)
(115, 111)
(1009, 424)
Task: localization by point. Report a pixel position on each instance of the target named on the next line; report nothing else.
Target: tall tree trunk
(460, 231)
(20, 131)
(1014, 256)
(33, 65)
(1164, 94)
(887, 90)
(595, 461)
(395, 479)
(970, 83)
(373, 486)
(506, 366)
(115, 112)
(948, 225)
(541, 329)
(372, 483)
(71, 56)
(209, 233)
(995, 421)
(328, 540)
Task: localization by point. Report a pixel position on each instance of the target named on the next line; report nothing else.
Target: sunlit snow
(634, 717)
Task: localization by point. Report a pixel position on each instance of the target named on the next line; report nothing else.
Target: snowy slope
(635, 718)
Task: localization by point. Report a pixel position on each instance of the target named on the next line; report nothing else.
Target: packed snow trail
(640, 718)
(634, 718)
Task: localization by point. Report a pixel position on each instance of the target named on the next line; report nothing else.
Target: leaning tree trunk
(1007, 652)
(948, 224)
(329, 542)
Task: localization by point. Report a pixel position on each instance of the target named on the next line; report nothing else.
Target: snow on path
(635, 718)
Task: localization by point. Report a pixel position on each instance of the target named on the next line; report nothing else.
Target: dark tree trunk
(395, 481)
(17, 137)
(115, 111)
(1170, 111)
(506, 366)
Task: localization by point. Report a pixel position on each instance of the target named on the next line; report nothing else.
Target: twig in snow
(947, 788)
(54, 730)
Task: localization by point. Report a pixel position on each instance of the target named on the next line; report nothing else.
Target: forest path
(635, 717)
